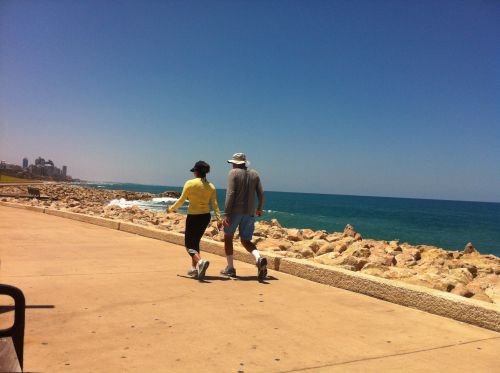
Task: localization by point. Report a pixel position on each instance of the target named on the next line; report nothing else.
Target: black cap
(201, 166)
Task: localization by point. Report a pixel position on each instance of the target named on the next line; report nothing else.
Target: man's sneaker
(262, 267)
(193, 273)
(229, 272)
(202, 268)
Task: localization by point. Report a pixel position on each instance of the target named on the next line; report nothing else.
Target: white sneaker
(202, 268)
(193, 273)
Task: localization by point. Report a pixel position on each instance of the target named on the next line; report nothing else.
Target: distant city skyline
(392, 98)
(40, 168)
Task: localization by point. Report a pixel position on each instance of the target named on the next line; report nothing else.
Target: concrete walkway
(101, 300)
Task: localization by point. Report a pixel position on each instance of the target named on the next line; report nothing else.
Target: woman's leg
(190, 238)
(195, 227)
(202, 222)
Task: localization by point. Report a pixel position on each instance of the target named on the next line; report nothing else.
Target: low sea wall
(462, 309)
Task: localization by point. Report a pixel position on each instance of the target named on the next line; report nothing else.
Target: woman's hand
(219, 224)
(168, 210)
(226, 222)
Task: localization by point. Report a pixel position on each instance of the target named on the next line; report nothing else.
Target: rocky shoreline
(466, 273)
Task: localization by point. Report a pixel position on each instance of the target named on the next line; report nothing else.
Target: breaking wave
(156, 204)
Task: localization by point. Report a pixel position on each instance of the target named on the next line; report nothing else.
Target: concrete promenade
(102, 300)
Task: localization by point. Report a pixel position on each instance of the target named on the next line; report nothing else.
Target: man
(242, 187)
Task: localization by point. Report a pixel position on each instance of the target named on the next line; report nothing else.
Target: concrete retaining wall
(440, 303)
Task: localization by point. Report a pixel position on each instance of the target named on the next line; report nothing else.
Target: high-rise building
(25, 162)
(40, 161)
(64, 171)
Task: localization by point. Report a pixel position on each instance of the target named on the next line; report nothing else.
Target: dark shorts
(195, 227)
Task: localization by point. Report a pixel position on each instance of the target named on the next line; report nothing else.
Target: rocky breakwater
(78, 199)
(466, 272)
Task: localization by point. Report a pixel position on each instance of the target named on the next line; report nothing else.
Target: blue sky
(387, 98)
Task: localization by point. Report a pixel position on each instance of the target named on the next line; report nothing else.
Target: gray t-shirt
(242, 186)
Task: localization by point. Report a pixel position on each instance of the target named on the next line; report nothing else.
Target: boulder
(294, 235)
(358, 250)
(333, 237)
(470, 249)
(349, 262)
(275, 223)
(305, 246)
(460, 275)
(349, 231)
(326, 248)
(374, 269)
(270, 244)
(320, 235)
(461, 290)
(308, 234)
(327, 258)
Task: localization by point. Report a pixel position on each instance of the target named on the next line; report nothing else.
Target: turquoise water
(447, 224)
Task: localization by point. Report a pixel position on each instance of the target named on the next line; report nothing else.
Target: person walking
(242, 187)
(200, 194)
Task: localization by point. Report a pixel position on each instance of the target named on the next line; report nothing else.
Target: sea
(447, 224)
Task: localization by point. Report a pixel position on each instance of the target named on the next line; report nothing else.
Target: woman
(200, 193)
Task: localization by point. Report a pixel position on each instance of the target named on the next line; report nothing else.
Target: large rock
(270, 244)
(470, 249)
(358, 250)
(294, 234)
(326, 248)
(327, 259)
(349, 231)
(350, 262)
(374, 269)
(308, 234)
(333, 237)
(462, 290)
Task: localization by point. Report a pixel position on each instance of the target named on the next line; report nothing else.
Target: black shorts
(195, 227)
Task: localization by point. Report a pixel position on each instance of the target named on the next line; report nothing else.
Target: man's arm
(230, 194)
(260, 197)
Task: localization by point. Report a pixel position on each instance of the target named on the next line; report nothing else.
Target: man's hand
(226, 222)
(219, 224)
(168, 210)
(258, 212)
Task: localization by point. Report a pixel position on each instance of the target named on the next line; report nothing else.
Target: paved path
(102, 300)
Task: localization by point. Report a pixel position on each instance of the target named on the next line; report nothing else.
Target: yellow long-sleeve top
(200, 193)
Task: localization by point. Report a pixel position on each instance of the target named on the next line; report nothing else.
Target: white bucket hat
(239, 158)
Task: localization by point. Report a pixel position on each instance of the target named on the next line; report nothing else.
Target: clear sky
(385, 98)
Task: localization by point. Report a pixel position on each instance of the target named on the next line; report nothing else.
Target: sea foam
(154, 204)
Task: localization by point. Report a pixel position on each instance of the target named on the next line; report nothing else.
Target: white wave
(165, 200)
(154, 204)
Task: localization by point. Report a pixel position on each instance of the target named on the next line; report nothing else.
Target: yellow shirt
(200, 194)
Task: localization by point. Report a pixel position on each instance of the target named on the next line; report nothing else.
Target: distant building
(25, 162)
(3, 165)
(39, 161)
(64, 171)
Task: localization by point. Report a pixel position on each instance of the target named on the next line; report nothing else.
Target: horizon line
(280, 191)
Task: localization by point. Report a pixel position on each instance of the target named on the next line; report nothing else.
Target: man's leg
(247, 227)
(228, 245)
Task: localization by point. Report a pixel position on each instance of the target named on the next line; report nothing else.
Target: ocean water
(447, 224)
